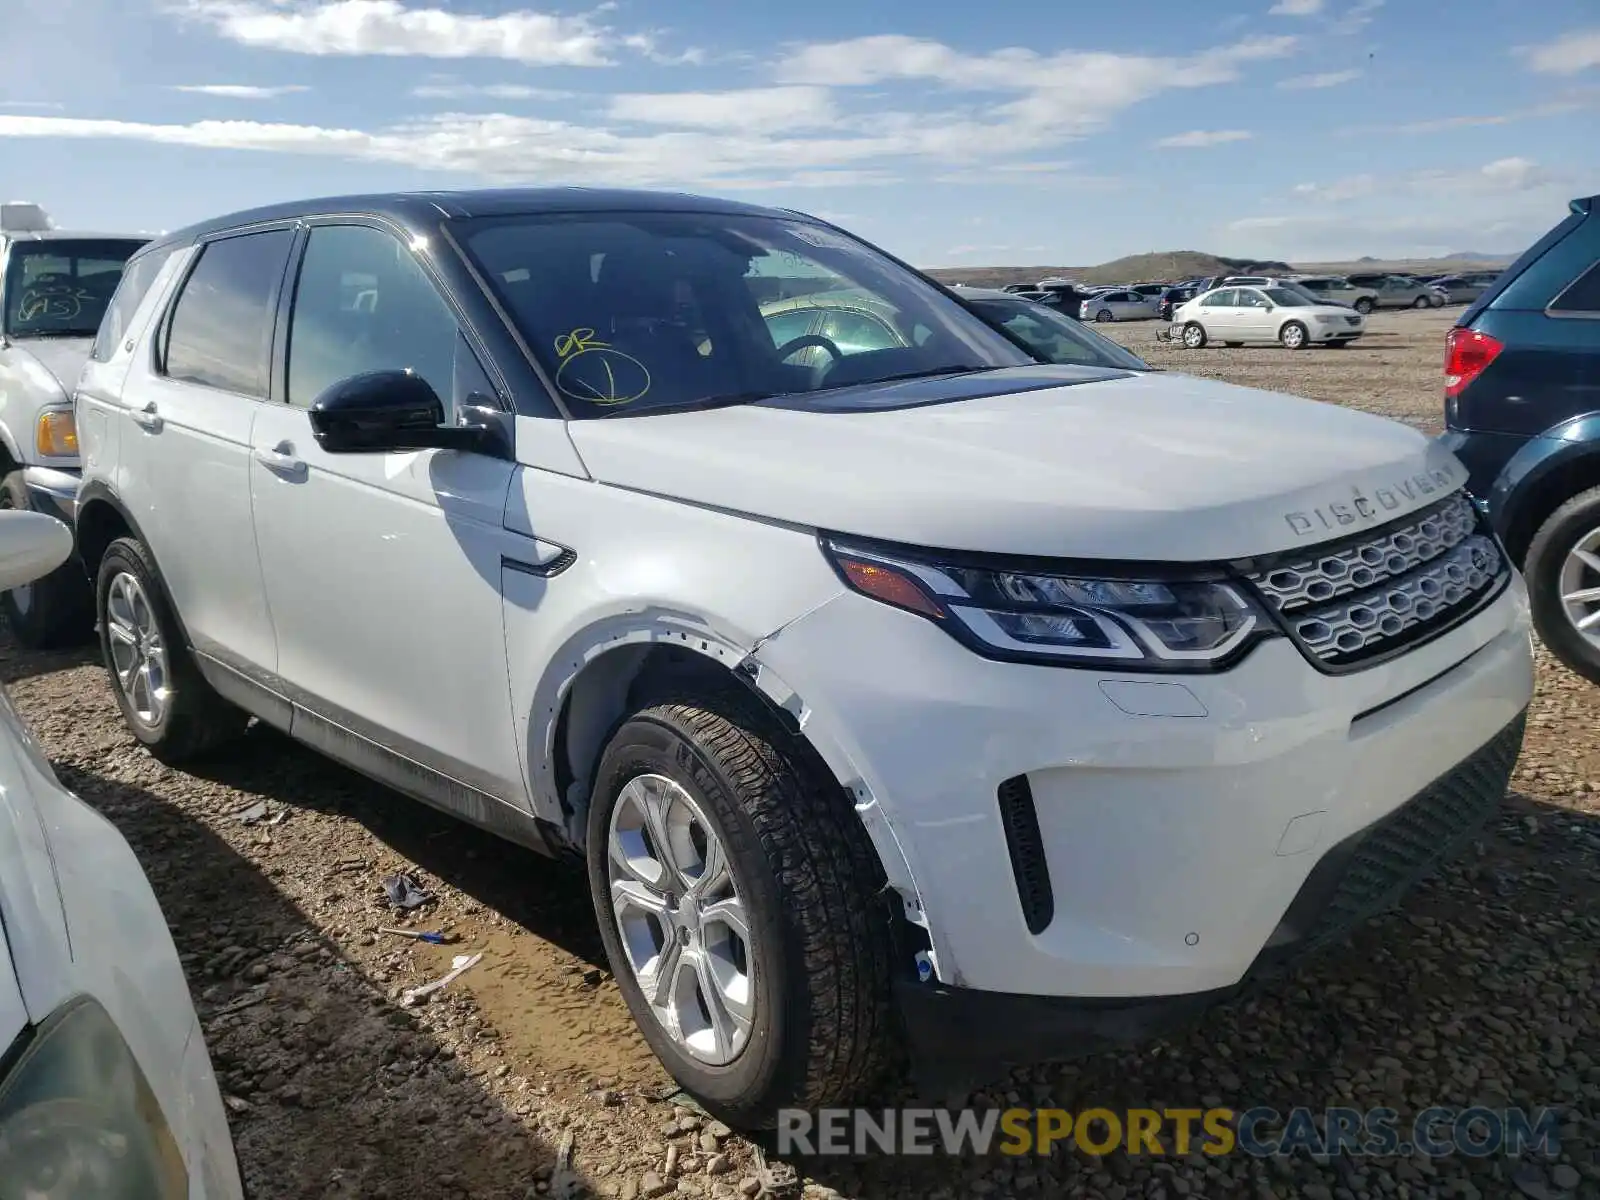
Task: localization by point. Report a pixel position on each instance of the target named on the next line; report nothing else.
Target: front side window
(220, 332)
(1285, 298)
(361, 304)
(1251, 299)
(636, 312)
(60, 287)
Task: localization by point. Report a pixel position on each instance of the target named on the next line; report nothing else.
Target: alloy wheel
(138, 652)
(1579, 587)
(681, 919)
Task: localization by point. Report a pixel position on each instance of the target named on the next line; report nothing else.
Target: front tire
(1194, 336)
(166, 703)
(1294, 336)
(706, 815)
(1563, 573)
(1103, 316)
(1422, 302)
(1364, 306)
(50, 613)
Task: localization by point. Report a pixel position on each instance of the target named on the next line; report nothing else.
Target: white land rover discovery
(912, 696)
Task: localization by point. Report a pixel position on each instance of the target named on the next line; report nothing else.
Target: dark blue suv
(1522, 411)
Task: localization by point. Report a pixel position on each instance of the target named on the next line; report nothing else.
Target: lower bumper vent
(1026, 844)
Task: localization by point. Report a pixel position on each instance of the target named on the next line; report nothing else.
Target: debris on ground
(404, 892)
(459, 966)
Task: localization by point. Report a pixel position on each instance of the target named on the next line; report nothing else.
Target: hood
(1134, 467)
(62, 357)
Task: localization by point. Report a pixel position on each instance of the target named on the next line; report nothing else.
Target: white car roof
(983, 293)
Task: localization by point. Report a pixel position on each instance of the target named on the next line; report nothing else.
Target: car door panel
(383, 569)
(185, 447)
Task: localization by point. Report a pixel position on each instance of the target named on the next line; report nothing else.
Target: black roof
(421, 209)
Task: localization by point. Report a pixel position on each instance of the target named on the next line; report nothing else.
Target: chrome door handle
(280, 459)
(147, 417)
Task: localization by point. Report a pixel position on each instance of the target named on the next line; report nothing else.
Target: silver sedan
(1120, 306)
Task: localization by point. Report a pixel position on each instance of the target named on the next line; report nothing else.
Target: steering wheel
(807, 340)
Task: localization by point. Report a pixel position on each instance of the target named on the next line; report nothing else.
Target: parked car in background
(1118, 306)
(1235, 316)
(1334, 289)
(1048, 332)
(1151, 290)
(896, 705)
(1172, 298)
(1522, 411)
(1399, 291)
(1458, 289)
(54, 288)
(106, 1088)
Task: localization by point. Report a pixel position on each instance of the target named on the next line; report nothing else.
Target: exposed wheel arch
(1544, 495)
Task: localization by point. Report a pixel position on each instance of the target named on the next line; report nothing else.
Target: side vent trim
(1026, 844)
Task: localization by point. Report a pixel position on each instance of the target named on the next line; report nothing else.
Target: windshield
(60, 287)
(636, 312)
(1290, 298)
(1056, 338)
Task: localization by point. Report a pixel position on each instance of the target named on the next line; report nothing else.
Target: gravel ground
(525, 1077)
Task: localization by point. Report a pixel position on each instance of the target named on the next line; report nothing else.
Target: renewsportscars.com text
(1259, 1132)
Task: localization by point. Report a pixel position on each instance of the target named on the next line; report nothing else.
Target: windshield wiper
(731, 400)
(55, 333)
(959, 369)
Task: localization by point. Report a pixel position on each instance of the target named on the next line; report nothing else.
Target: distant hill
(1475, 256)
(1136, 268)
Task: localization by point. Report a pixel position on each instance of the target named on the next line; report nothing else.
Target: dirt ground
(525, 1077)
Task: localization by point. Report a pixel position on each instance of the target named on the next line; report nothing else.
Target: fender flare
(1576, 440)
(695, 636)
(9, 443)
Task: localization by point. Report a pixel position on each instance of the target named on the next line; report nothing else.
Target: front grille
(1353, 601)
(1367, 875)
(1026, 844)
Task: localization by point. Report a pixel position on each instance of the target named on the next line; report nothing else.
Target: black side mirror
(388, 410)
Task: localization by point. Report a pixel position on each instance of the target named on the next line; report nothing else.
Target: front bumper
(961, 1036)
(1177, 820)
(53, 491)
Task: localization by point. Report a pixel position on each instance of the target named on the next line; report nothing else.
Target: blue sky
(950, 132)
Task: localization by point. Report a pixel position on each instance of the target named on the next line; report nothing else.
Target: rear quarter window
(1583, 296)
(136, 281)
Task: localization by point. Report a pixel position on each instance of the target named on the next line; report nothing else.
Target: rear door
(184, 467)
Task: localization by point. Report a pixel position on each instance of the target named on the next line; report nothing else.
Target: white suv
(925, 694)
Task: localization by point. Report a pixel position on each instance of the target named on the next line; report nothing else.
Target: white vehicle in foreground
(1236, 316)
(1042, 702)
(106, 1089)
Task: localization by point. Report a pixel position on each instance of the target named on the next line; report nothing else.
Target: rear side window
(220, 332)
(136, 281)
(1583, 296)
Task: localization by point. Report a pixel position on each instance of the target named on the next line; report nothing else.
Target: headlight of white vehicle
(1126, 621)
(78, 1120)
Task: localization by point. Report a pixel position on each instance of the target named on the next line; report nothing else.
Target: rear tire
(52, 613)
(1294, 336)
(1364, 306)
(1194, 336)
(1554, 568)
(816, 966)
(166, 703)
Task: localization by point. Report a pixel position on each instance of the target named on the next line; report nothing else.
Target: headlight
(1124, 622)
(78, 1120)
(56, 435)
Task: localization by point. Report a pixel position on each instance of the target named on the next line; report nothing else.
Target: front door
(383, 569)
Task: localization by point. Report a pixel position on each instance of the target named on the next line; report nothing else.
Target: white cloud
(1352, 187)
(1567, 54)
(1576, 100)
(1295, 8)
(490, 91)
(1323, 79)
(39, 105)
(388, 27)
(239, 91)
(1070, 91)
(752, 108)
(1197, 139)
(1357, 17)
